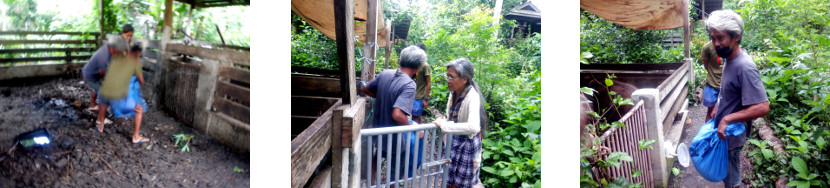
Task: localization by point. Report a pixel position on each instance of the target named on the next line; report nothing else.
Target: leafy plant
(183, 140)
(591, 156)
(238, 170)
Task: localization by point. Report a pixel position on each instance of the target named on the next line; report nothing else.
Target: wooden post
(388, 39)
(686, 41)
(370, 47)
(337, 153)
(167, 24)
(68, 57)
(165, 38)
(101, 20)
(188, 30)
(220, 34)
(353, 120)
(344, 30)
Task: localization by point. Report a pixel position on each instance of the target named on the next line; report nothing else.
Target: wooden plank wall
(232, 96)
(221, 91)
(76, 46)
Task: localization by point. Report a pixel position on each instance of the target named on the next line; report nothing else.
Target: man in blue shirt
(394, 91)
(742, 94)
(94, 70)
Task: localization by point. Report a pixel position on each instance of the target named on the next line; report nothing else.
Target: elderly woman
(466, 122)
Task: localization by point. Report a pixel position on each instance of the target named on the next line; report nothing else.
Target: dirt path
(690, 177)
(79, 156)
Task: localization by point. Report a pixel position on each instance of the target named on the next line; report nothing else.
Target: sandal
(106, 121)
(143, 140)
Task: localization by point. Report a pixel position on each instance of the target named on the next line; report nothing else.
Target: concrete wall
(39, 70)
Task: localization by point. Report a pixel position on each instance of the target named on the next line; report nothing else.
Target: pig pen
(53, 96)
(663, 89)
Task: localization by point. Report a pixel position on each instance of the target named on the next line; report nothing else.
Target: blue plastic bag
(413, 165)
(126, 107)
(710, 153)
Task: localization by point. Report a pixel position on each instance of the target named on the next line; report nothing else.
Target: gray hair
(412, 57)
(118, 43)
(726, 20)
(465, 69)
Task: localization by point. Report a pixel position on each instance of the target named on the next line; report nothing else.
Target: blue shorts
(417, 107)
(95, 85)
(710, 96)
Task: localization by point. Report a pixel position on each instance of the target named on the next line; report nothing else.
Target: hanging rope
(360, 51)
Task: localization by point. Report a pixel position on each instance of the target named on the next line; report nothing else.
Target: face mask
(724, 52)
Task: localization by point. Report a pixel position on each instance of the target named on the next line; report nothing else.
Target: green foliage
(309, 47)
(612, 43)
(183, 140)
(238, 170)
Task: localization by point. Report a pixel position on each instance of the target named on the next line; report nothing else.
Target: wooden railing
(76, 46)
(626, 139)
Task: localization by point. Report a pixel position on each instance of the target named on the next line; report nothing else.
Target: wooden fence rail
(77, 48)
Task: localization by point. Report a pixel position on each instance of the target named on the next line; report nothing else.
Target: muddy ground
(690, 177)
(79, 156)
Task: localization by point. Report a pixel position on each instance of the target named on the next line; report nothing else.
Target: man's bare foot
(140, 139)
(99, 126)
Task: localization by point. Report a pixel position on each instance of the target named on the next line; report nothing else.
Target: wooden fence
(22, 51)
(210, 89)
(76, 46)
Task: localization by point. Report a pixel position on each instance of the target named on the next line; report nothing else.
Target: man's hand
(722, 128)
(425, 103)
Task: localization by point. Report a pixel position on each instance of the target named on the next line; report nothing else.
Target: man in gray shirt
(394, 91)
(742, 94)
(94, 70)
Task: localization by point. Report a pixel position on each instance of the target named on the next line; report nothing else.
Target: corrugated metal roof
(526, 12)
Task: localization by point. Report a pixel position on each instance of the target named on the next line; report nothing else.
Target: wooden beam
(234, 122)
(309, 148)
(631, 67)
(103, 34)
(36, 50)
(370, 47)
(224, 88)
(352, 122)
(47, 41)
(64, 58)
(388, 43)
(236, 57)
(234, 74)
(36, 70)
(235, 110)
(315, 86)
(317, 71)
(337, 145)
(344, 30)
